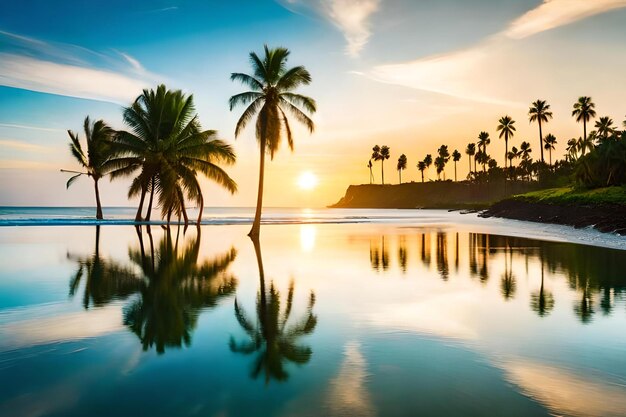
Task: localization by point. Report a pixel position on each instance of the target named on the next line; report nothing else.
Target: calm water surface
(316, 320)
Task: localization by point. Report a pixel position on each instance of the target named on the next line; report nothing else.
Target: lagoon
(338, 313)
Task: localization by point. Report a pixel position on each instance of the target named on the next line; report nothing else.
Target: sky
(410, 74)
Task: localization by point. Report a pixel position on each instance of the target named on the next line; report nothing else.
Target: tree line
(595, 159)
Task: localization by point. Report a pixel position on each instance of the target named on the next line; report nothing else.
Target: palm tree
(421, 165)
(168, 146)
(584, 111)
(539, 112)
(482, 158)
(471, 151)
(440, 164)
(428, 160)
(507, 129)
(445, 157)
(384, 154)
(511, 155)
(585, 144)
(376, 156)
(95, 162)
(273, 337)
(401, 165)
(369, 165)
(572, 149)
(456, 155)
(483, 141)
(550, 141)
(271, 93)
(605, 127)
(525, 165)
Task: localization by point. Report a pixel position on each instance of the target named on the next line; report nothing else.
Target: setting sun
(307, 180)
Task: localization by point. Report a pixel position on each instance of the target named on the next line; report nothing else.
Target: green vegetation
(571, 195)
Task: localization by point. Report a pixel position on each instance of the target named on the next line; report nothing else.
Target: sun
(307, 180)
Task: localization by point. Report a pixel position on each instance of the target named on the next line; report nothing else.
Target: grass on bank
(571, 195)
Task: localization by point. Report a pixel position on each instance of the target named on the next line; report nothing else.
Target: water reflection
(595, 273)
(170, 285)
(273, 337)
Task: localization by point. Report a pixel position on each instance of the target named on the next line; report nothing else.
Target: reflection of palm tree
(374, 255)
(584, 308)
(508, 284)
(271, 337)
(105, 280)
(176, 290)
(402, 256)
(442, 256)
(425, 249)
(384, 256)
(542, 302)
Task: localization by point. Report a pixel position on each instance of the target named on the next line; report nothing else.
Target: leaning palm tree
(584, 111)
(456, 155)
(421, 166)
(540, 112)
(401, 165)
(168, 147)
(605, 127)
(428, 160)
(507, 129)
(98, 136)
(471, 151)
(270, 98)
(550, 141)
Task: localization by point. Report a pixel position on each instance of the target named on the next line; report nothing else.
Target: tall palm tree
(483, 141)
(456, 155)
(271, 95)
(96, 160)
(444, 154)
(421, 165)
(369, 165)
(440, 164)
(540, 112)
(605, 127)
(526, 150)
(506, 126)
(584, 111)
(168, 147)
(401, 165)
(428, 160)
(471, 151)
(550, 141)
(384, 154)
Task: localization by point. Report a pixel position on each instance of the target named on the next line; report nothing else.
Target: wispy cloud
(71, 70)
(22, 146)
(554, 13)
(351, 17)
(18, 126)
(482, 72)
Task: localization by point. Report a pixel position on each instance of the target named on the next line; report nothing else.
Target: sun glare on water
(307, 180)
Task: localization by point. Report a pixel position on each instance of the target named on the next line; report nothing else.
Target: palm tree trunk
(550, 156)
(506, 149)
(469, 159)
(422, 175)
(184, 210)
(256, 225)
(140, 208)
(98, 205)
(475, 169)
(149, 212)
(584, 133)
(382, 171)
(454, 171)
(259, 261)
(400, 174)
(540, 139)
(201, 197)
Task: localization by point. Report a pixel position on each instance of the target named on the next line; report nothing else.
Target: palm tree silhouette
(271, 93)
(369, 165)
(384, 154)
(507, 129)
(605, 127)
(456, 155)
(483, 141)
(550, 141)
(584, 111)
(542, 301)
(421, 166)
(96, 160)
(168, 146)
(402, 162)
(471, 151)
(273, 337)
(539, 112)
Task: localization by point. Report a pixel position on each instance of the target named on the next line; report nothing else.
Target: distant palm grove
(164, 148)
(595, 159)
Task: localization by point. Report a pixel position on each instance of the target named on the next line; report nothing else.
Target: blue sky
(384, 71)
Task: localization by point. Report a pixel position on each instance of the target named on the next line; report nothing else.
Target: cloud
(352, 18)
(554, 13)
(68, 80)
(17, 126)
(71, 70)
(22, 146)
